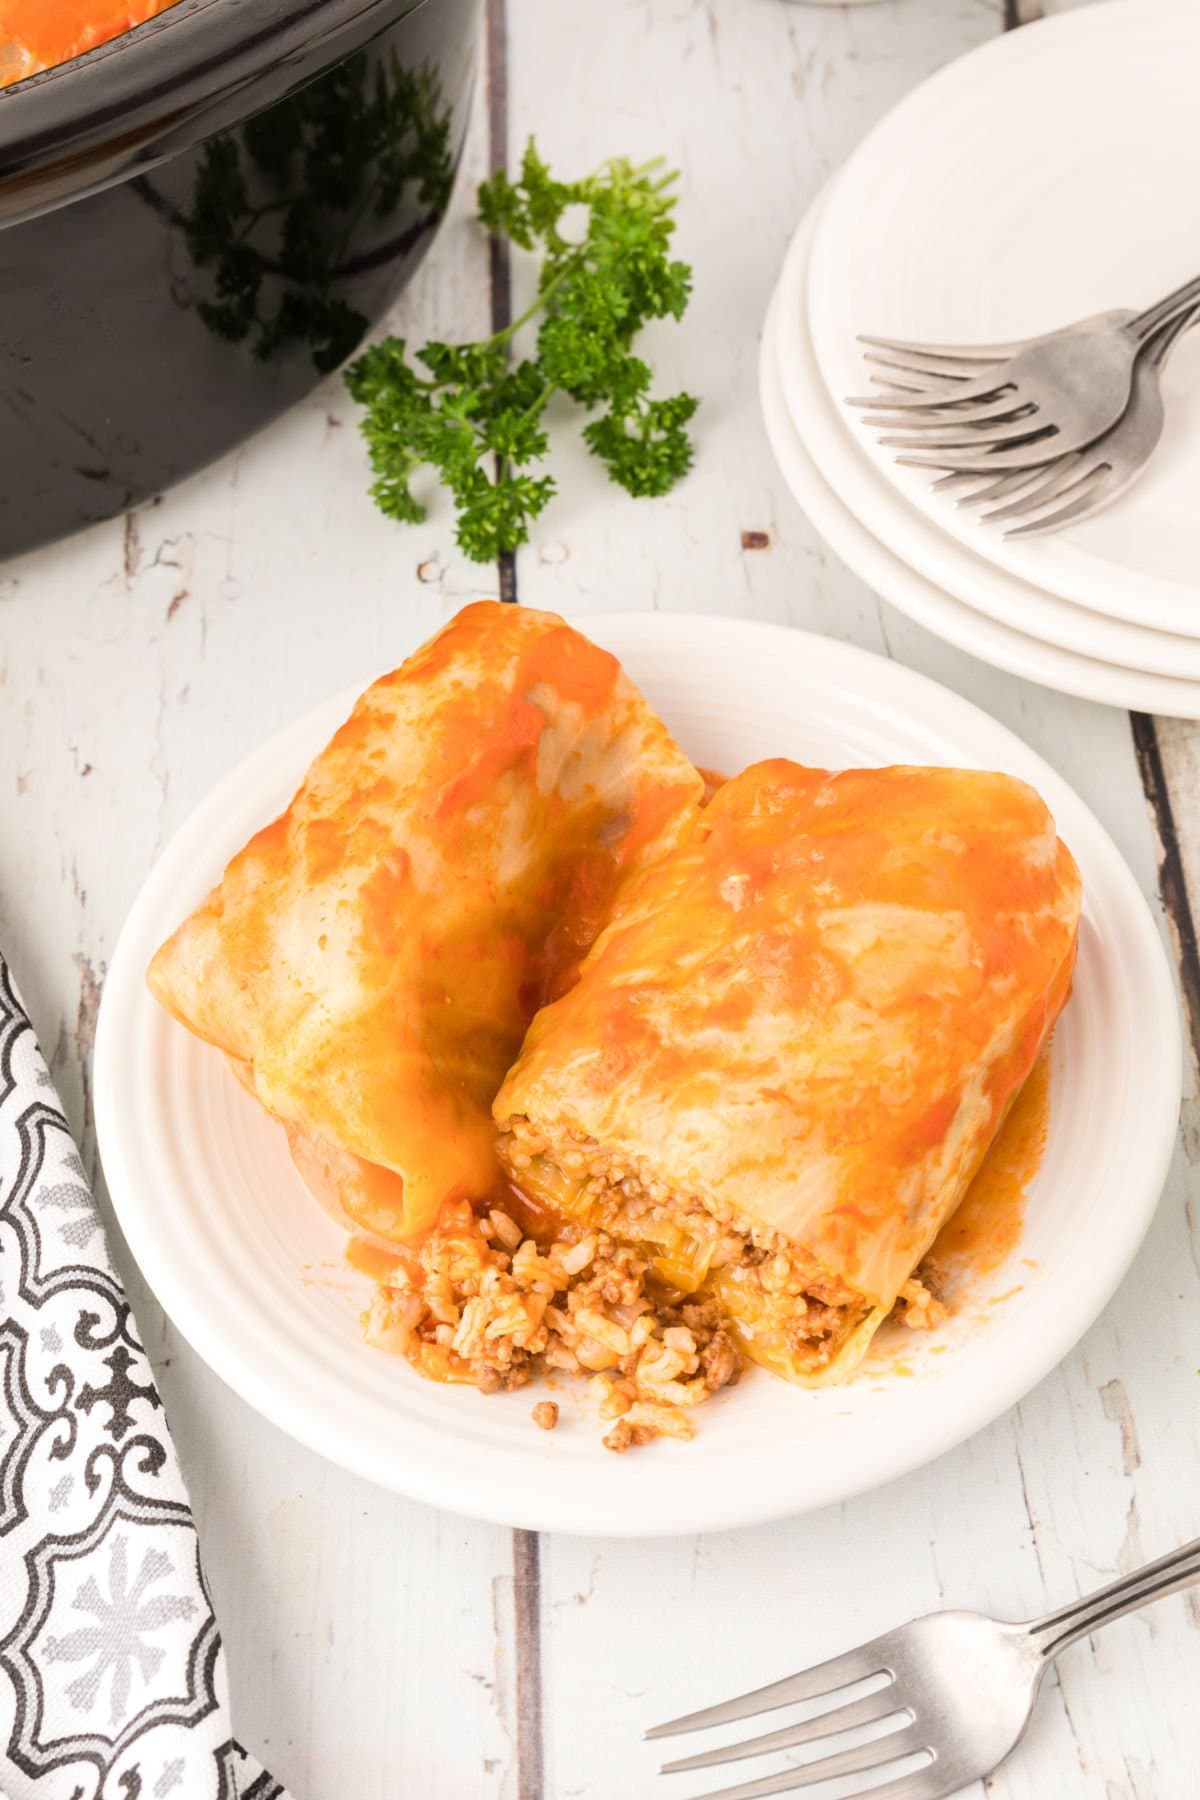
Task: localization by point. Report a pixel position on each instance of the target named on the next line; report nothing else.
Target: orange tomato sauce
(377, 1262)
(371, 1260)
(986, 1229)
(39, 34)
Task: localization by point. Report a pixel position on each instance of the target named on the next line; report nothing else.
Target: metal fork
(956, 1691)
(1074, 486)
(1049, 396)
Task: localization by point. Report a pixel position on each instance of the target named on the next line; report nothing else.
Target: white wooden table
(381, 1651)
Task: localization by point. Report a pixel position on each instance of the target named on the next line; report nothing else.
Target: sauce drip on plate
(987, 1226)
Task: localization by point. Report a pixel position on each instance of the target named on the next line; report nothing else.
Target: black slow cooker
(200, 220)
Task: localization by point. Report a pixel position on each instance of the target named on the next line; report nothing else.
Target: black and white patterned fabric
(112, 1675)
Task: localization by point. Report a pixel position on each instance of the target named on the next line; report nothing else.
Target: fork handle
(1145, 322)
(1163, 341)
(1181, 1569)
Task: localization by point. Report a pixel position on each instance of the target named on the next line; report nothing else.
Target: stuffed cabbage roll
(370, 960)
(785, 1059)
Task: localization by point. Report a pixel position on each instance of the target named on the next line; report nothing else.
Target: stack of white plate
(1052, 174)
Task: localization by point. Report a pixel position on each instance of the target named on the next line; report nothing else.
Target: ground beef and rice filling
(604, 1294)
(479, 1301)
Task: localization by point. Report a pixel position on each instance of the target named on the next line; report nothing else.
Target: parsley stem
(635, 174)
(538, 304)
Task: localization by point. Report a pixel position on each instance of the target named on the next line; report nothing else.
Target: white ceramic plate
(251, 1271)
(1033, 182)
(918, 540)
(830, 478)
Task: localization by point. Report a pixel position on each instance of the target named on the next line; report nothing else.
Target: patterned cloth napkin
(112, 1675)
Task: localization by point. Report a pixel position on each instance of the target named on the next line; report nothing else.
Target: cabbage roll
(785, 1059)
(370, 961)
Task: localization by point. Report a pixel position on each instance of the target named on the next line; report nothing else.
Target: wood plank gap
(526, 1545)
(1172, 876)
(527, 1615)
(499, 264)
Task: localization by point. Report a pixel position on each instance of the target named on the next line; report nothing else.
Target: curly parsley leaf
(476, 419)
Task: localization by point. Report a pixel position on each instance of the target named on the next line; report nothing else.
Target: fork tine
(983, 389)
(1058, 479)
(862, 1760)
(868, 1711)
(951, 368)
(1097, 495)
(998, 487)
(894, 381)
(920, 437)
(1002, 459)
(941, 368)
(958, 374)
(918, 386)
(858, 1664)
(967, 352)
(901, 373)
(958, 478)
(967, 412)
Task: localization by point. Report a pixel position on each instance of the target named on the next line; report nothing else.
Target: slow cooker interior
(40, 37)
(168, 84)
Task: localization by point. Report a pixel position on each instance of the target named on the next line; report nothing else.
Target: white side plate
(1030, 183)
(841, 493)
(994, 593)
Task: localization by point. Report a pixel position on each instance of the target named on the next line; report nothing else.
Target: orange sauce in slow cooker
(38, 34)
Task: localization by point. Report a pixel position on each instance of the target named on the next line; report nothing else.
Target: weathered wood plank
(1169, 763)
(372, 1641)
(757, 104)
(528, 1767)
(378, 1649)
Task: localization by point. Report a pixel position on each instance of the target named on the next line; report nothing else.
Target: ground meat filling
(778, 1296)
(651, 1298)
(479, 1301)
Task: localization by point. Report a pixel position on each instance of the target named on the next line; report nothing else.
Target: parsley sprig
(477, 418)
